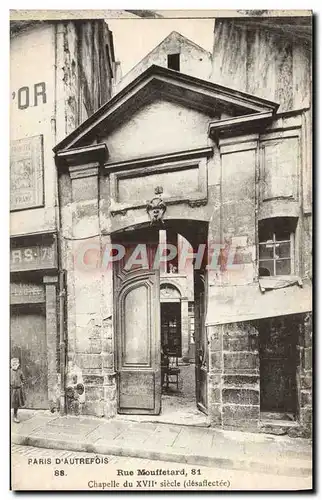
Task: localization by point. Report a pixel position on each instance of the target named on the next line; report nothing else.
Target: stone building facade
(179, 53)
(266, 364)
(226, 165)
(61, 72)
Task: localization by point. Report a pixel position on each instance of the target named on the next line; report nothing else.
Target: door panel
(28, 343)
(136, 318)
(137, 321)
(137, 391)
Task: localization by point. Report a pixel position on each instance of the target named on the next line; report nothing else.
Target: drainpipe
(62, 344)
(58, 124)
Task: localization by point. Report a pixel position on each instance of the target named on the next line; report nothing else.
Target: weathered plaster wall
(27, 48)
(263, 63)
(74, 69)
(95, 66)
(84, 71)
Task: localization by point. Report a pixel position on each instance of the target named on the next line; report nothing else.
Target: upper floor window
(276, 246)
(174, 61)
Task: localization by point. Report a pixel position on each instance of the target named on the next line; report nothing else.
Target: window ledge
(274, 282)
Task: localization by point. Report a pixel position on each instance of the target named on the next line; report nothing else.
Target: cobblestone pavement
(27, 474)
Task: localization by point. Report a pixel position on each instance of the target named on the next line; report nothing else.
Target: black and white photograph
(161, 250)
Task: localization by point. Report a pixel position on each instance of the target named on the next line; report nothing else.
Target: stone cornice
(80, 157)
(156, 81)
(156, 160)
(240, 123)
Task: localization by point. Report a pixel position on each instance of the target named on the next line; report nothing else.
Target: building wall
(236, 378)
(73, 80)
(263, 61)
(194, 60)
(37, 118)
(85, 62)
(237, 178)
(251, 176)
(58, 70)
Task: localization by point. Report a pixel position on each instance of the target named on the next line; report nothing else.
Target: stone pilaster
(87, 284)
(50, 283)
(108, 360)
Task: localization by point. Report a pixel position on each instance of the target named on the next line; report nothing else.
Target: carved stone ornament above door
(156, 207)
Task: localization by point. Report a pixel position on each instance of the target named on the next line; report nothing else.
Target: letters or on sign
(33, 257)
(26, 173)
(31, 96)
(26, 293)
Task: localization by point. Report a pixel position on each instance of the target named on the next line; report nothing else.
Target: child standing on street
(16, 382)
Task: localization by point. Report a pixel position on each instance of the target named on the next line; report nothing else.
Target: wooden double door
(138, 328)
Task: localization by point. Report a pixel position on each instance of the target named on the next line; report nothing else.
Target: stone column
(184, 329)
(50, 283)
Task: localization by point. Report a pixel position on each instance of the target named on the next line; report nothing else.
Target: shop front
(34, 321)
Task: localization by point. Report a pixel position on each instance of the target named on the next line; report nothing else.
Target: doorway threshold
(189, 416)
(278, 423)
(278, 417)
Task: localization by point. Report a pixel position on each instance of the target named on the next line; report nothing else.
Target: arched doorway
(145, 324)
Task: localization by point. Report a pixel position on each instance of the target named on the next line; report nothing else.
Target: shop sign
(26, 293)
(33, 257)
(26, 173)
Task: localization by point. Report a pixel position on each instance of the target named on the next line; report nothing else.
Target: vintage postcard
(160, 249)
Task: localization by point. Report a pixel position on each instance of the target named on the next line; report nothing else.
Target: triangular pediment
(161, 83)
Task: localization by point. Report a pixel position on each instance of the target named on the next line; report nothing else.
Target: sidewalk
(175, 443)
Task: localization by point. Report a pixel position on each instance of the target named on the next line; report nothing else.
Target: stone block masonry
(234, 376)
(304, 374)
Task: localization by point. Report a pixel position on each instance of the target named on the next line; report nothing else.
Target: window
(276, 246)
(174, 61)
